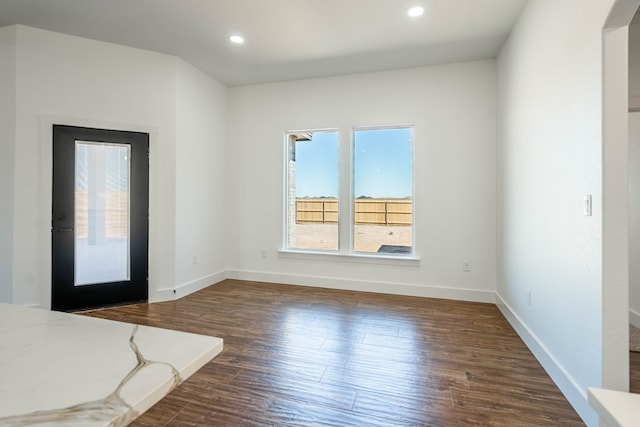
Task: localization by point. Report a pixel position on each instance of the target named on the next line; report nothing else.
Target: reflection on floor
(64, 369)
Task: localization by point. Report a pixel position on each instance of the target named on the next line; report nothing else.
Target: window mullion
(346, 191)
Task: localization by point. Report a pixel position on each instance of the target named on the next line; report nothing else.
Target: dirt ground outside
(368, 238)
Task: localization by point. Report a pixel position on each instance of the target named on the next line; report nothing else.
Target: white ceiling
(285, 39)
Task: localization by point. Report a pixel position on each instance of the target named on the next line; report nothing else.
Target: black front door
(100, 221)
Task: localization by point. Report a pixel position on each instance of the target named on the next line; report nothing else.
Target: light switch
(586, 205)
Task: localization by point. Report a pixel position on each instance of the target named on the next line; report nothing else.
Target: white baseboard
(634, 318)
(199, 284)
(365, 286)
(576, 396)
(180, 291)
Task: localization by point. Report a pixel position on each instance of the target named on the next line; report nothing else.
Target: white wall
(7, 143)
(453, 109)
(550, 155)
(634, 215)
(200, 179)
(634, 65)
(634, 175)
(70, 80)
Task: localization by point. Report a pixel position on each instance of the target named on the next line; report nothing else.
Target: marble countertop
(65, 369)
(616, 408)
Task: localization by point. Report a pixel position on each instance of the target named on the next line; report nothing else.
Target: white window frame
(352, 222)
(346, 214)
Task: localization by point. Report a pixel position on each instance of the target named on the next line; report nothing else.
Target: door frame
(615, 230)
(42, 234)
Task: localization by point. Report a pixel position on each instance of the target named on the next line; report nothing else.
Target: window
(383, 190)
(102, 214)
(312, 190)
(381, 164)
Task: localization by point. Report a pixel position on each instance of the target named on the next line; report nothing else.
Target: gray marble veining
(120, 406)
(113, 410)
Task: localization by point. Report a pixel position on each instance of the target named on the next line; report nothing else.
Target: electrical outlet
(194, 260)
(528, 296)
(466, 266)
(263, 253)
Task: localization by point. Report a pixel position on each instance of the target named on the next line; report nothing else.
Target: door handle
(62, 229)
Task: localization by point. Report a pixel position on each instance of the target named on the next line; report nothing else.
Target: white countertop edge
(616, 408)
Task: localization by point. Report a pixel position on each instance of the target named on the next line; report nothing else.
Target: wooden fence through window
(114, 216)
(367, 211)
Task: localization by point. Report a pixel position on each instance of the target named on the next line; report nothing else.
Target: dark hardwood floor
(307, 356)
(634, 372)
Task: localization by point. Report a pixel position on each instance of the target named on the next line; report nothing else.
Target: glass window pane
(383, 190)
(312, 193)
(101, 213)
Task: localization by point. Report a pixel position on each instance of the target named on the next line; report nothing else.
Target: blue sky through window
(383, 164)
(317, 166)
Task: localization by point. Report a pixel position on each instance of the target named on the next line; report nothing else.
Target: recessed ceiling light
(415, 11)
(237, 39)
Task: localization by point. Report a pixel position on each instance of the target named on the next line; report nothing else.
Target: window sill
(356, 257)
